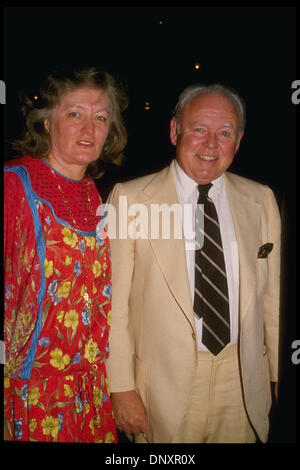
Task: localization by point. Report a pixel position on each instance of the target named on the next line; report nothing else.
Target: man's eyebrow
(199, 123)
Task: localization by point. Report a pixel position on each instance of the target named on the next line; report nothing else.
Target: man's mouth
(207, 158)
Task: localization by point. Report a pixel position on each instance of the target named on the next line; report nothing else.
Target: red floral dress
(55, 384)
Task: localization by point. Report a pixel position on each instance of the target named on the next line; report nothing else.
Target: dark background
(153, 50)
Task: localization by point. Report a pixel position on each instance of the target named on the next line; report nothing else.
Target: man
(168, 382)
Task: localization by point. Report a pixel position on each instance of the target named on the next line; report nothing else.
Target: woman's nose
(88, 126)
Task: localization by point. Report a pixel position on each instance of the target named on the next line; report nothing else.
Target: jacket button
(194, 336)
(265, 350)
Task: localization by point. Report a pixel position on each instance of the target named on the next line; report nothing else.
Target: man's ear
(173, 131)
(237, 145)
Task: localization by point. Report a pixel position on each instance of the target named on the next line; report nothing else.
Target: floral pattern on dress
(68, 385)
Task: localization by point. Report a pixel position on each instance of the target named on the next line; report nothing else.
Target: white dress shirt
(188, 195)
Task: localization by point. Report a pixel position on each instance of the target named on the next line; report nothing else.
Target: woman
(57, 262)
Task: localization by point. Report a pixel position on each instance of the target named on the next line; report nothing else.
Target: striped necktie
(211, 292)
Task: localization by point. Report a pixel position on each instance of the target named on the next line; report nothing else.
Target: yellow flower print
(60, 316)
(32, 425)
(97, 268)
(6, 382)
(69, 377)
(91, 349)
(109, 318)
(33, 396)
(90, 241)
(68, 260)
(50, 426)
(48, 265)
(97, 396)
(58, 360)
(68, 391)
(94, 288)
(64, 289)
(107, 386)
(27, 319)
(91, 426)
(71, 319)
(109, 437)
(104, 266)
(87, 408)
(82, 290)
(69, 237)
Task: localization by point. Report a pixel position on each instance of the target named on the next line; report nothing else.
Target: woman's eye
(101, 118)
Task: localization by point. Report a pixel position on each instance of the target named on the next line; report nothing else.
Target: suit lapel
(245, 213)
(170, 253)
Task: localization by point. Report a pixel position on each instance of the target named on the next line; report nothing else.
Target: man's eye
(225, 133)
(199, 129)
(73, 114)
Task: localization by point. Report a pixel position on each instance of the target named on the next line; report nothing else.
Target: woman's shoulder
(24, 160)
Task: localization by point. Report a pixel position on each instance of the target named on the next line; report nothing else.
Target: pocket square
(265, 250)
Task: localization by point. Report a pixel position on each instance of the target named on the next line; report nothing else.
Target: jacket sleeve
(271, 305)
(120, 364)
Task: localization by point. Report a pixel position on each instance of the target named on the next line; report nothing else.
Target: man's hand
(129, 411)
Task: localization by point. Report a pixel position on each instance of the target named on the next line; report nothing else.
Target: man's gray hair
(199, 89)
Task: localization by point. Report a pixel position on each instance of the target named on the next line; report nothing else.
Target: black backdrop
(153, 51)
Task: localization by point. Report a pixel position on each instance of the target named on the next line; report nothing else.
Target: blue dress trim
(40, 244)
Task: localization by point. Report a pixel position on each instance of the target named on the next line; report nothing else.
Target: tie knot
(203, 190)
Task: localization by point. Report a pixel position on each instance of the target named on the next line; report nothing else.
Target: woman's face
(78, 129)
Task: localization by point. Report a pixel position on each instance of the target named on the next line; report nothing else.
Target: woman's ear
(47, 125)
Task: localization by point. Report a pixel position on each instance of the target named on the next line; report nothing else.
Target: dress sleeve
(22, 272)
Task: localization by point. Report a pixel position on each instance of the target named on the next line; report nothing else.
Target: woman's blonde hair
(36, 141)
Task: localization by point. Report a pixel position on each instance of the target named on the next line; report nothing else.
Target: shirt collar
(187, 185)
(218, 183)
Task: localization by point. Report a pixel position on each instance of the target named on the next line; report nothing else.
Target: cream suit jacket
(152, 341)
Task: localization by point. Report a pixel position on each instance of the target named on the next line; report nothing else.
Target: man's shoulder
(244, 184)
(136, 185)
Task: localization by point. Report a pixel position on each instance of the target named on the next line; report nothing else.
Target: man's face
(209, 137)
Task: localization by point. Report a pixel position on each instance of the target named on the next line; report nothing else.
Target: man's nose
(211, 140)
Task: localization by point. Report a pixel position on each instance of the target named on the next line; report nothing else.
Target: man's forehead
(211, 105)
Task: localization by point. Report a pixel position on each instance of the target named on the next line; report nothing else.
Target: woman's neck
(72, 171)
